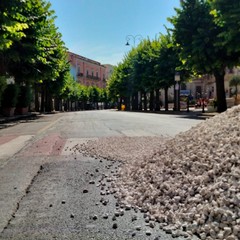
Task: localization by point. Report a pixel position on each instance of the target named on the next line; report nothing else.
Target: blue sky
(97, 29)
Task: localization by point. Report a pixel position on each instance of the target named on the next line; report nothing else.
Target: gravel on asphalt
(190, 183)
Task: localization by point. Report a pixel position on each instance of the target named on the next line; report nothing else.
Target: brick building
(87, 71)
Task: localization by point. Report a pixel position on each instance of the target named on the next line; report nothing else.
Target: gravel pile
(190, 184)
(125, 149)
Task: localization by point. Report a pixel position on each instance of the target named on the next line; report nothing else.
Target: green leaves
(207, 33)
(151, 65)
(227, 17)
(30, 44)
(13, 23)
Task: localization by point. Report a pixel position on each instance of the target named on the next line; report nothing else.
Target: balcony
(93, 77)
(80, 74)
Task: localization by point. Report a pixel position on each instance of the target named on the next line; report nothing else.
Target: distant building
(205, 86)
(87, 71)
(109, 70)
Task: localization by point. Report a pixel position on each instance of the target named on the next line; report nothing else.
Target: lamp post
(177, 87)
(134, 38)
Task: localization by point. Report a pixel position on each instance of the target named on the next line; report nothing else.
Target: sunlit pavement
(42, 179)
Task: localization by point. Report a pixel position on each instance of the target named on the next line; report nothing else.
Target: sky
(98, 29)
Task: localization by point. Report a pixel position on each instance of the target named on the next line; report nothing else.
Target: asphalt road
(48, 191)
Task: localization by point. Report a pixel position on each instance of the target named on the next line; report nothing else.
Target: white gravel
(190, 184)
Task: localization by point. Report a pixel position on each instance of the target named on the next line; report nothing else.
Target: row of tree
(149, 67)
(33, 53)
(204, 40)
(80, 97)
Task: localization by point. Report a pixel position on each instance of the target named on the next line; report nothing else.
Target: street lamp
(177, 87)
(134, 38)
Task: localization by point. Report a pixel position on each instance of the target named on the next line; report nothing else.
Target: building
(205, 86)
(109, 70)
(87, 71)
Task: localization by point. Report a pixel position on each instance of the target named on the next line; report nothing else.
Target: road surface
(49, 191)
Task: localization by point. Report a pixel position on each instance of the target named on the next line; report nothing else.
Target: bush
(3, 84)
(10, 96)
(24, 97)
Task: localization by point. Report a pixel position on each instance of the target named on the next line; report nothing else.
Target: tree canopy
(197, 34)
(227, 17)
(31, 48)
(146, 68)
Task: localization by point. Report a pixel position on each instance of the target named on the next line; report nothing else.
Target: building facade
(206, 86)
(86, 71)
(109, 70)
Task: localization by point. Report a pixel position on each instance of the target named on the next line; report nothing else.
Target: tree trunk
(145, 101)
(157, 100)
(68, 107)
(48, 100)
(43, 98)
(151, 100)
(140, 101)
(127, 103)
(119, 104)
(166, 98)
(174, 99)
(36, 100)
(135, 102)
(221, 96)
(56, 103)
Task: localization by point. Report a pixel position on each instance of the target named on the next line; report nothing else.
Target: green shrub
(3, 84)
(10, 96)
(24, 97)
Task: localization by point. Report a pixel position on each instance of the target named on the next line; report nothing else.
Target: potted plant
(234, 82)
(212, 105)
(9, 99)
(24, 100)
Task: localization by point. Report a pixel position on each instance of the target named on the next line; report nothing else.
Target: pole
(128, 37)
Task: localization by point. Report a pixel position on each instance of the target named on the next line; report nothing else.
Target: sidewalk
(10, 121)
(192, 113)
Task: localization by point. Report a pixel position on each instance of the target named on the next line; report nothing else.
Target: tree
(227, 17)
(3, 84)
(13, 22)
(120, 84)
(196, 35)
(33, 51)
(146, 69)
(143, 71)
(94, 95)
(84, 96)
(167, 64)
(13, 26)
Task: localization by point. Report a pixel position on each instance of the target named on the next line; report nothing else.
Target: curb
(4, 120)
